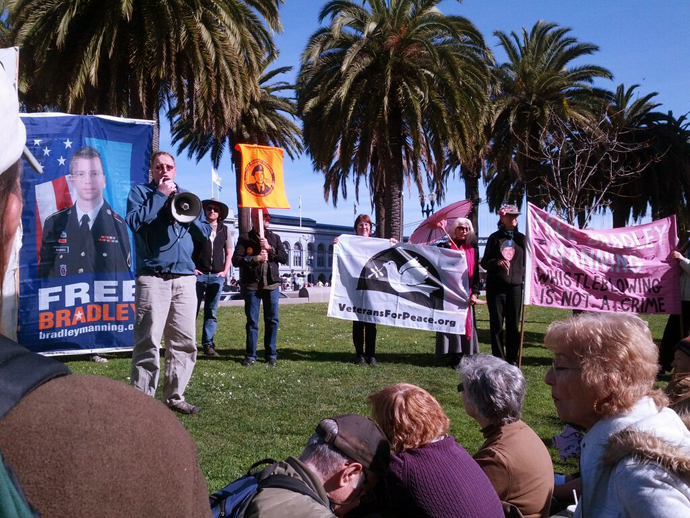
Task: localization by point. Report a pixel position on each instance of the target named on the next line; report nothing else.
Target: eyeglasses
(91, 174)
(460, 387)
(167, 167)
(558, 370)
(466, 229)
(212, 208)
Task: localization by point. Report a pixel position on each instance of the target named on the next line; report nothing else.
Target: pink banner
(625, 270)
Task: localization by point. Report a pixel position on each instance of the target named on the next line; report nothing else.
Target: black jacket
(245, 258)
(64, 251)
(496, 275)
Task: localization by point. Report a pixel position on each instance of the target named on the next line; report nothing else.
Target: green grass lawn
(251, 413)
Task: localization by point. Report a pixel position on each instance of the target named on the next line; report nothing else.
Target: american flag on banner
(51, 197)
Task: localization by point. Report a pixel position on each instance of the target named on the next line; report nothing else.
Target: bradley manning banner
(77, 284)
(420, 287)
(624, 270)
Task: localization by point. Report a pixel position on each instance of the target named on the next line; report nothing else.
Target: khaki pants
(165, 308)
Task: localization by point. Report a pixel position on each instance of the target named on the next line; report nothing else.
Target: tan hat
(359, 439)
(12, 130)
(224, 210)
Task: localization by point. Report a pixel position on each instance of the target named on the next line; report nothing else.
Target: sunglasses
(463, 228)
(212, 208)
(460, 387)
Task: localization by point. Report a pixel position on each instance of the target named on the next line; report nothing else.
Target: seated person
(430, 474)
(340, 463)
(513, 456)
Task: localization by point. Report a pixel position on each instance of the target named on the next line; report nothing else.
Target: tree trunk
(380, 209)
(471, 178)
(620, 218)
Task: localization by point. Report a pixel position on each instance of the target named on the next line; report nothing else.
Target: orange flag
(262, 182)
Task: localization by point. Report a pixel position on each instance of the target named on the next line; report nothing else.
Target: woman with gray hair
(513, 456)
(462, 239)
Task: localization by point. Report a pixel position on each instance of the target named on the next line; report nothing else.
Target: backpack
(233, 500)
(21, 372)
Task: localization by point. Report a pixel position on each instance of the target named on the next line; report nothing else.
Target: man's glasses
(166, 167)
(460, 387)
(211, 208)
(91, 174)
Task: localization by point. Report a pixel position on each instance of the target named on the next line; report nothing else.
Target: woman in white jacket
(635, 459)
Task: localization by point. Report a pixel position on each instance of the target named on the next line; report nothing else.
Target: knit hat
(359, 439)
(12, 130)
(683, 346)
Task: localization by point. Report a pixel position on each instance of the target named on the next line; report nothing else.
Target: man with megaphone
(165, 222)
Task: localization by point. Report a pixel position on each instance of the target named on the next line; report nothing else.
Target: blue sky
(644, 42)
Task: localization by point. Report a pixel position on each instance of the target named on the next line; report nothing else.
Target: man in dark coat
(257, 258)
(89, 236)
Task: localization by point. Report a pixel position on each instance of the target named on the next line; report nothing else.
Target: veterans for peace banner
(420, 287)
(261, 183)
(77, 284)
(624, 270)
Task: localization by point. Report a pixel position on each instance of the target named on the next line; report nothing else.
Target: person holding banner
(465, 241)
(257, 256)
(636, 452)
(165, 293)
(504, 262)
(212, 259)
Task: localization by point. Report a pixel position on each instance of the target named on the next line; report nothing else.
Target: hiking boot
(272, 362)
(210, 351)
(97, 359)
(372, 361)
(183, 407)
(248, 362)
(360, 360)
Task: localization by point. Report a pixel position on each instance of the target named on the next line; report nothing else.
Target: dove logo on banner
(404, 273)
(414, 286)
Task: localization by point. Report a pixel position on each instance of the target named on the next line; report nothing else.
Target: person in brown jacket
(513, 456)
(82, 445)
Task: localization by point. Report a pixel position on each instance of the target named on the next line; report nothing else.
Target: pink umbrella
(434, 227)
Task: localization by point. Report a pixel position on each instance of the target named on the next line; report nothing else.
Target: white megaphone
(185, 207)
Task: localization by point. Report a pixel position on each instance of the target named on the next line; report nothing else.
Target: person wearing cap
(430, 474)
(257, 258)
(89, 236)
(165, 294)
(212, 261)
(341, 462)
(504, 262)
(81, 445)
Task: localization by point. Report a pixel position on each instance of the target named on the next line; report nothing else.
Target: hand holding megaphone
(167, 186)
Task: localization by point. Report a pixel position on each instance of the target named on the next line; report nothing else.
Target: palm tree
(537, 79)
(384, 93)
(129, 58)
(4, 26)
(267, 120)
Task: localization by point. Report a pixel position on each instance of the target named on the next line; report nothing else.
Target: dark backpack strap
(259, 463)
(21, 371)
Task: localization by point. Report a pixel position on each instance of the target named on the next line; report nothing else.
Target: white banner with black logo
(414, 286)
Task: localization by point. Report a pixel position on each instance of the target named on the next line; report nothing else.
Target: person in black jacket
(257, 258)
(212, 264)
(504, 262)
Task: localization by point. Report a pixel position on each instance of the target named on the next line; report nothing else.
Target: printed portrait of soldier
(89, 236)
(262, 184)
